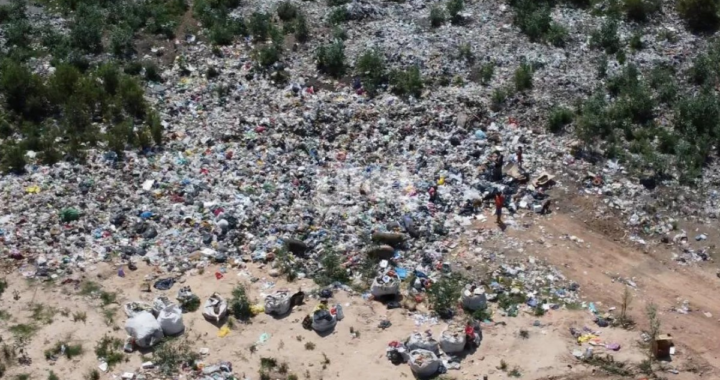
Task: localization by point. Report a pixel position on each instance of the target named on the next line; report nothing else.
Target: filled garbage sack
(386, 284)
(170, 320)
(278, 303)
(215, 308)
(160, 303)
(418, 341)
(424, 363)
(323, 321)
(453, 339)
(297, 247)
(473, 298)
(381, 252)
(132, 309)
(144, 329)
(388, 238)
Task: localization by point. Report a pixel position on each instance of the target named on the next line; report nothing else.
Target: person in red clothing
(499, 202)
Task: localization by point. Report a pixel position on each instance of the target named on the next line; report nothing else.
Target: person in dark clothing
(497, 174)
(519, 156)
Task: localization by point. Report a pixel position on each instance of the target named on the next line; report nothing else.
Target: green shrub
(62, 83)
(335, 3)
(662, 80)
(332, 270)
(152, 72)
(260, 25)
(13, 158)
(18, 33)
(465, 53)
(601, 67)
(121, 41)
(339, 34)
(370, 67)
(222, 33)
(485, 73)
(24, 91)
(407, 82)
(240, 304)
(287, 11)
(331, 59)
(533, 19)
(702, 70)
(700, 15)
(557, 35)
(606, 37)
(559, 118)
(454, 7)
(267, 55)
(131, 94)
(338, 15)
(110, 76)
(444, 294)
(437, 16)
(640, 10)
(636, 41)
(155, 126)
(86, 30)
(523, 77)
(302, 31)
(498, 98)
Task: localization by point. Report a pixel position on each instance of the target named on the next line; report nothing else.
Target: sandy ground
(545, 354)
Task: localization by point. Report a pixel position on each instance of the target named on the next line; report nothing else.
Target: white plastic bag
(424, 363)
(419, 342)
(474, 299)
(170, 320)
(278, 303)
(452, 341)
(144, 329)
(385, 285)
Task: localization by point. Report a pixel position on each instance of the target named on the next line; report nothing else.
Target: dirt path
(595, 261)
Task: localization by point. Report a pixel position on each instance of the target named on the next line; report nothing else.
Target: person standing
(519, 156)
(499, 202)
